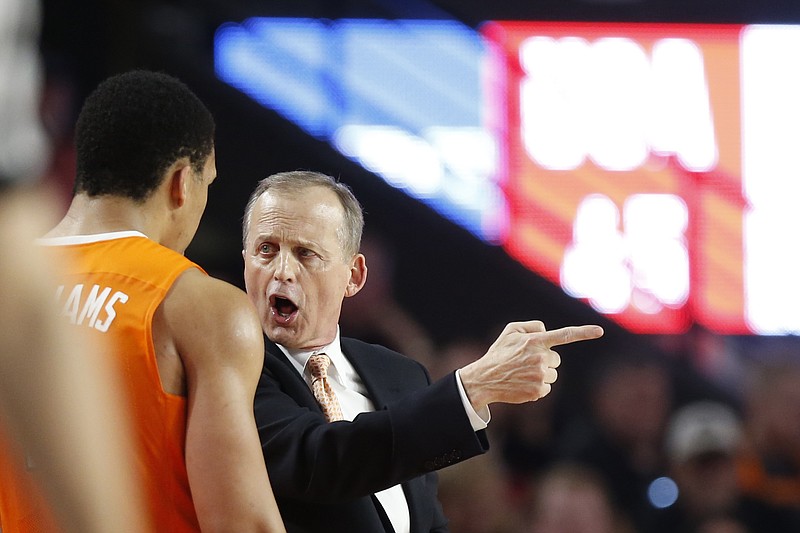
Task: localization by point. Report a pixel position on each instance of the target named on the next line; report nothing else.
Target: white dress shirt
(353, 399)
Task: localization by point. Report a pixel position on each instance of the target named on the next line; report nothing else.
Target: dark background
(455, 286)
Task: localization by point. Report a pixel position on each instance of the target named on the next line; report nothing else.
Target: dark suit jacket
(324, 474)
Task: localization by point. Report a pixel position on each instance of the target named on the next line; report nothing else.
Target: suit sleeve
(312, 460)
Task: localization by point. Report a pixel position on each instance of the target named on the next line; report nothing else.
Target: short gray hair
(297, 181)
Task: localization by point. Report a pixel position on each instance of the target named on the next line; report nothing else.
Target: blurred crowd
(693, 436)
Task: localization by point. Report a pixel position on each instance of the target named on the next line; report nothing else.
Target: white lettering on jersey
(94, 309)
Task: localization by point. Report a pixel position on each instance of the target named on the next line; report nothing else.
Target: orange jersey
(113, 285)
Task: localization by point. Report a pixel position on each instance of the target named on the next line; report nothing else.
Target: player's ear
(358, 275)
(179, 175)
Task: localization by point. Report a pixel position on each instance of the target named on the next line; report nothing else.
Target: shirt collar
(340, 366)
(88, 239)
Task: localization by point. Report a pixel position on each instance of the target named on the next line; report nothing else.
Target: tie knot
(318, 364)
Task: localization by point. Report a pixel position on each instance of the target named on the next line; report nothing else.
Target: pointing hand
(520, 366)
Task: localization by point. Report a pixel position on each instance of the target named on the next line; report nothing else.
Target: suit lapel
(381, 379)
(296, 386)
(274, 351)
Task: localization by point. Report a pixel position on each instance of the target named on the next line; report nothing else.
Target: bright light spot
(682, 122)
(771, 139)
(552, 103)
(469, 153)
(662, 492)
(616, 103)
(646, 262)
(655, 228)
(403, 159)
(610, 101)
(594, 264)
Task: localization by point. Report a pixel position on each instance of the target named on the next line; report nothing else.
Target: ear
(358, 276)
(180, 173)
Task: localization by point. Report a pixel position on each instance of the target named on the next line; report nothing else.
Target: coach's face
(295, 270)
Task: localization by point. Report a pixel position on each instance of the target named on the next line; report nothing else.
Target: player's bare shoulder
(212, 318)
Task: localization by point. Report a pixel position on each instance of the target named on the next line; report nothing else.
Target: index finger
(569, 334)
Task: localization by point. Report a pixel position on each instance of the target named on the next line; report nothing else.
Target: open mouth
(283, 309)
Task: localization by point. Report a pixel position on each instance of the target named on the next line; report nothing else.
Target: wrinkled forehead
(311, 214)
(315, 202)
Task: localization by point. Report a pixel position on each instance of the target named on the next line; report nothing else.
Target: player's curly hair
(132, 128)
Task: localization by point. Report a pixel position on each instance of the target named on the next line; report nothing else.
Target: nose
(285, 267)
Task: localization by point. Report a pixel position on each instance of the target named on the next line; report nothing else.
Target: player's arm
(219, 338)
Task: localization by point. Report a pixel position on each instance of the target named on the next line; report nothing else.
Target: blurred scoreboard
(647, 169)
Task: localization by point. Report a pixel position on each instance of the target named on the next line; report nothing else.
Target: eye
(265, 248)
(305, 252)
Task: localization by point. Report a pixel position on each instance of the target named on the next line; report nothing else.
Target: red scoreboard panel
(623, 166)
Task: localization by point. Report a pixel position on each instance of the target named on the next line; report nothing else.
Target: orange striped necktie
(321, 387)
